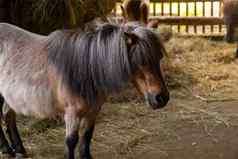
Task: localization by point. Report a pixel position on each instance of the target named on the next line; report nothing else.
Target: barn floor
(186, 129)
(200, 121)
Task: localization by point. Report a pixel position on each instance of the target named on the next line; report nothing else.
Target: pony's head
(230, 9)
(145, 54)
(102, 61)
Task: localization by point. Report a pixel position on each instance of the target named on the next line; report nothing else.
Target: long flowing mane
(100, 61)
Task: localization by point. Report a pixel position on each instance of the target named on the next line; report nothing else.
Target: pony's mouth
(232, 36)
(157, 101)
(236, 34)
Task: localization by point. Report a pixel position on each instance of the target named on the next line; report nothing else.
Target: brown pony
(137, 11)
(71, 72)
(230, 10)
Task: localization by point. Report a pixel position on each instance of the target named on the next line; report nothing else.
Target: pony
(230, 10)
(70, 73)
(137, 11)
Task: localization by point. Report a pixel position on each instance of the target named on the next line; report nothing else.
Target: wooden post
(220, 8)
(162, 8)
(179, 29)
(187, 11)
(195, 14)
(212, 14)
(154, 8)
(203, 14)
(170, 8)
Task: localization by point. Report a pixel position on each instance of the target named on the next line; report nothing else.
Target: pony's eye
(140, 75)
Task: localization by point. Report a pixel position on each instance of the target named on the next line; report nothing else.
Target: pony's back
(9, 32)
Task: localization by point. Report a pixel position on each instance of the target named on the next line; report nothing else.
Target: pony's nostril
(156, 101)
(229, 38)
(159, 99)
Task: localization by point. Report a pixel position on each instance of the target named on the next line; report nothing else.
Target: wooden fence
(188, 17)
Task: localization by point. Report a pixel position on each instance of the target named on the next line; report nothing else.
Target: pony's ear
(153, 24)
(131, 39)
(124, 14)
(144, 9)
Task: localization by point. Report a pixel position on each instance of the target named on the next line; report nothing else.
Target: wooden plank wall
(198, 17)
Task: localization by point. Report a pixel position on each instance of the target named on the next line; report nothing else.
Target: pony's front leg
(88, 124)
(85, 140)
(72, 121)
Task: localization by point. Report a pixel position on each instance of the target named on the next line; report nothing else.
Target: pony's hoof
(20, 156)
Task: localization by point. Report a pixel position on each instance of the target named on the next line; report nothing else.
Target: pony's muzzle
(157, 101)
(232, 34)
(229, 38)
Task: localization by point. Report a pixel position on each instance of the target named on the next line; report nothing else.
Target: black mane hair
(100, 61)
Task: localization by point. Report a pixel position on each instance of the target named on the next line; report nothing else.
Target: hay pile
(44, 16)
(202, 68)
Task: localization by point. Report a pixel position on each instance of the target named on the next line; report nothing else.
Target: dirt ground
(200, 121)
